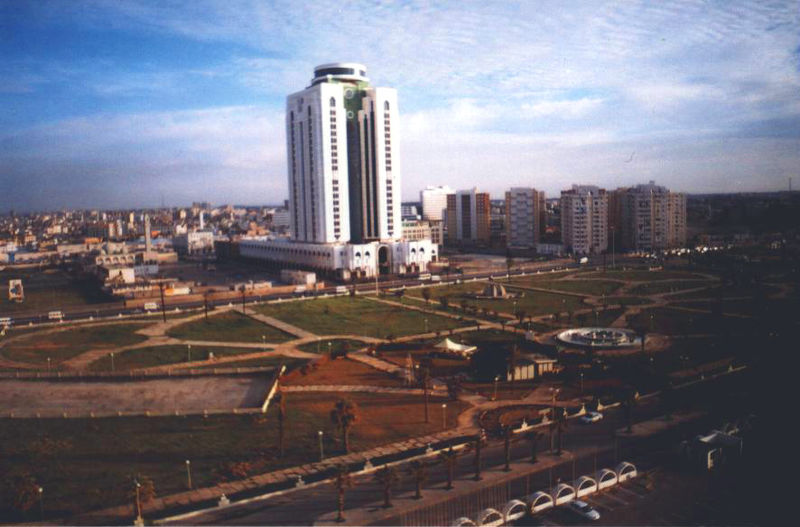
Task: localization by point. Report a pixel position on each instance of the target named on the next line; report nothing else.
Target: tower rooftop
(340, 71)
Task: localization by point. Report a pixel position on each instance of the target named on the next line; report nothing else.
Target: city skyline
(113, 105)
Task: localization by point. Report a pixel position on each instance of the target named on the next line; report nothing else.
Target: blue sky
(118, 103)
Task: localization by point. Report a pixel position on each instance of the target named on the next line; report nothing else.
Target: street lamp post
(426, 325)
(189, 473)
(581, 383)
(329, 348)
(188, 353)
(48, 364)
(263, 341)
(41, 503)
(112, 362)
(321, 452)
(317, 345)
(444, 416)
(138, 505)
(496, 378)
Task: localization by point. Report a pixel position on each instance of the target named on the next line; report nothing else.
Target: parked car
(591, 417)
(584, 509)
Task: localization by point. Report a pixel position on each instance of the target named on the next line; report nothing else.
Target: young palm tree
(507, 433)
(387, 477)
(342, 481)
(480, 441)
(281, 421)
(557, 426)
(426, 294)
(534, 438)
(419, 471)
(344, 415)
(448, 458)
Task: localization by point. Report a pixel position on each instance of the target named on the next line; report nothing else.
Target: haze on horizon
(115, 104)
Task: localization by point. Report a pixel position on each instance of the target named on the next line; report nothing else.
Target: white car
(584, 509)
(591, 417)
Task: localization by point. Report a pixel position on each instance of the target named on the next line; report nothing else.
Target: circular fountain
(599, 338)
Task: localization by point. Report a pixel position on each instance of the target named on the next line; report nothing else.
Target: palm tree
(520, 315)
(557, 427)
(534, 438)
(281, 420)
(628, 403)
(419, 471)
(426, 294)
(479, 443)
(507, 433)
(342, 481)
(243, 290)
(205, 305)
(444, 300)
(344, 415)
(448, 458)
(387, 477)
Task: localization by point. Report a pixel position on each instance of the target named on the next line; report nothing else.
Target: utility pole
(163, 307)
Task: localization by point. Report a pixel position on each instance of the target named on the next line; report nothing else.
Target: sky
(126, 103)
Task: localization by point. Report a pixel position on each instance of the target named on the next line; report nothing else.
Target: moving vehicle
(150, 306)
(591, 417)
(55, 315)
(584, 510)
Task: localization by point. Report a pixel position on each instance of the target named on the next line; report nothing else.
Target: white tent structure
(449, 347)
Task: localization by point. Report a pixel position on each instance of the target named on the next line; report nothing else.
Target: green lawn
(678, 322)
(86, 464)
(230, 327)
(534, 303)
(59, 346)
(584, 287)
(728, 291)
(336, 345)
(161, 355)
(269, 362)
(643, 275)
(627, 300)
(357, 316)
(655, 288)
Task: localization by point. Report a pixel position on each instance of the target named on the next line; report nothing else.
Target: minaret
(202, 220)
(148, 243)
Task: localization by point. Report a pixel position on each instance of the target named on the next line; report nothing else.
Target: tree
(448, 458)
(426, 294)
(400, 293)
(454, 388)
(557, 427)
(463, 305)
(534, 438)
(342, 481)
(480, 442)
(344, 415)
(520, 314)
(419, 472)
(25, 492)
(628, 403)
(387, 477)
(507, 433)
(205, 305)
(243, 290)
(444, 300)
(281, 421)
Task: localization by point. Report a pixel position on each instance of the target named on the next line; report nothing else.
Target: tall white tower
(343, 167)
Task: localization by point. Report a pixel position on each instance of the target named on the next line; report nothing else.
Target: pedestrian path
(360, 388)
(274, 322)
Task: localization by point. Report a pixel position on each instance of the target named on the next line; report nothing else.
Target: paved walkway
(362, 388)
(274, 322)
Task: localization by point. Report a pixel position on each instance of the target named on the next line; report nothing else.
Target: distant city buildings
(468, 217)
(525, 217)
(584, 219)
(647, 218)
(434, 202)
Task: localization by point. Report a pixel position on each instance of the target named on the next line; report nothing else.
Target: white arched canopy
(463, 522)
(626, 470)
(606, 478)
(490, 517)
(585, 485)
(539, 501)
(514, 510)
(563, 493)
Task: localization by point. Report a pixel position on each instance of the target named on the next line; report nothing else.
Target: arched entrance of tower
(384, 260)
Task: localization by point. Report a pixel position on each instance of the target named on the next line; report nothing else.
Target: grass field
(627, 300)
(533, 302)
(357, 316)
(669, 286)
(345, 372)
(728, 291)
(643, 275)
(59, 346)
(678, 322)
(160, 356)
(87, 464)
(595, 287)
(230, 327)
(268, 362)
(336, 345)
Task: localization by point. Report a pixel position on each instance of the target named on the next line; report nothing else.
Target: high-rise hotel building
(344, 178)
(649, 218)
